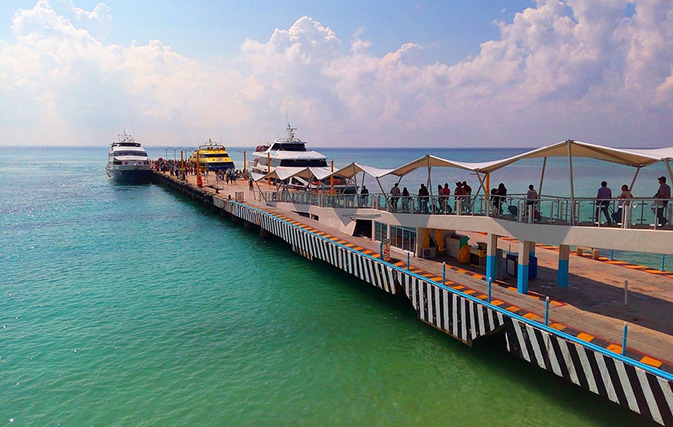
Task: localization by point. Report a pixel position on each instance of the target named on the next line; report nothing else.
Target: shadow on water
(488, 353)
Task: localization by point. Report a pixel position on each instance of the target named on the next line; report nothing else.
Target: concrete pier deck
(591, 308)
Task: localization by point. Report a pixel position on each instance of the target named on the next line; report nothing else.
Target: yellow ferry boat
(212, 156)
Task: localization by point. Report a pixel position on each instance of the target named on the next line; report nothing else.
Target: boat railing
(554, 210)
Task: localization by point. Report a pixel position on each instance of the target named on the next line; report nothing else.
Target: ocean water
(130, 305)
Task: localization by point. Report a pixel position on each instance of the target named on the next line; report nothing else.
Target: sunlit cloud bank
(594, 70)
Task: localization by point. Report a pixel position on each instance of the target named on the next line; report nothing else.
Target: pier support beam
(523, 268)
(563, 263)
(491, 256)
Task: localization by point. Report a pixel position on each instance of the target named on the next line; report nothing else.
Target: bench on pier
(595, 253)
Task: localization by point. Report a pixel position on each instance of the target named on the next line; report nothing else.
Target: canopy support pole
(381, 187)
(670, 172)
(427, 159)
(572, 184)
(355, 178)
(544, 167)
(633, 182)
(481, 183)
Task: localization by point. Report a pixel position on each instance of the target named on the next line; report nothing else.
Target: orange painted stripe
(585, 337)
(557, 326)
(650, 361)
(615, 348)
(531, 316)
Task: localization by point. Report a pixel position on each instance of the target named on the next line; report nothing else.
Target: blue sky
(394, 73)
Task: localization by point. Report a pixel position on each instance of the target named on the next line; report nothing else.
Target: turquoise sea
(130, 305)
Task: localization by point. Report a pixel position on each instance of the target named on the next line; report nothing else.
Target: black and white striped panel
(369, 270)
(312, 246)
(622, 383)
(456, 315)
(303, 253)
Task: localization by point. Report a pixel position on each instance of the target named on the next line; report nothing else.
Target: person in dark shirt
(663, 194)
(603, 201)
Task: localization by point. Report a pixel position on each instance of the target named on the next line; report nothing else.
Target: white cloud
(583, 69)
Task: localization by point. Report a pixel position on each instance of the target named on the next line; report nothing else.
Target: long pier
(565, 337)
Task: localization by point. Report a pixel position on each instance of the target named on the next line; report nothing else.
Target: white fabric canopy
(285, 172)
(430, 161)
(354, 168)
(624, 156)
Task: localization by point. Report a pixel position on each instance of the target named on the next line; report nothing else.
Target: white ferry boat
(127, 161)
(290, 153)
(286, 152)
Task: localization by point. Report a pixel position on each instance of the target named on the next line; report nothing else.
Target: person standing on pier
(467, 202)
(623, 201)
(364, 194)
(394, 197)
(405, 200)
(602, 202)
(423, 196)
(663, 194)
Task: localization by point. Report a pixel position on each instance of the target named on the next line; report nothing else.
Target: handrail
(557, 210)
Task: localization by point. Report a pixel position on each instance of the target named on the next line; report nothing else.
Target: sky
(392, 73)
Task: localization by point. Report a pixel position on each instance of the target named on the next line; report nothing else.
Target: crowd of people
(175, 168)
(462, 196)
(604, 196)
(462, 200)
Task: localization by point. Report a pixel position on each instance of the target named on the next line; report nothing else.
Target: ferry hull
(218, 166)
(131, 176)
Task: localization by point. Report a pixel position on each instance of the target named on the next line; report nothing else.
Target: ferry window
(290, 147)
(403, 238)
(380, 231)
(131, 153)
(302, 163)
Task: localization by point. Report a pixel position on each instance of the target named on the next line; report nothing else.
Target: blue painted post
(443, 273)
(563, 264)
(612, 254)
(663, 262)
(523, 268)
(546, 312)
(626, 331)
(381, 250)
(408, 263)
(491, 255)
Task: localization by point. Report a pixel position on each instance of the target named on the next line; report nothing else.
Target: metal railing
(631, 213)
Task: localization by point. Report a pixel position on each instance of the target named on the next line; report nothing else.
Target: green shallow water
(129, 305)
